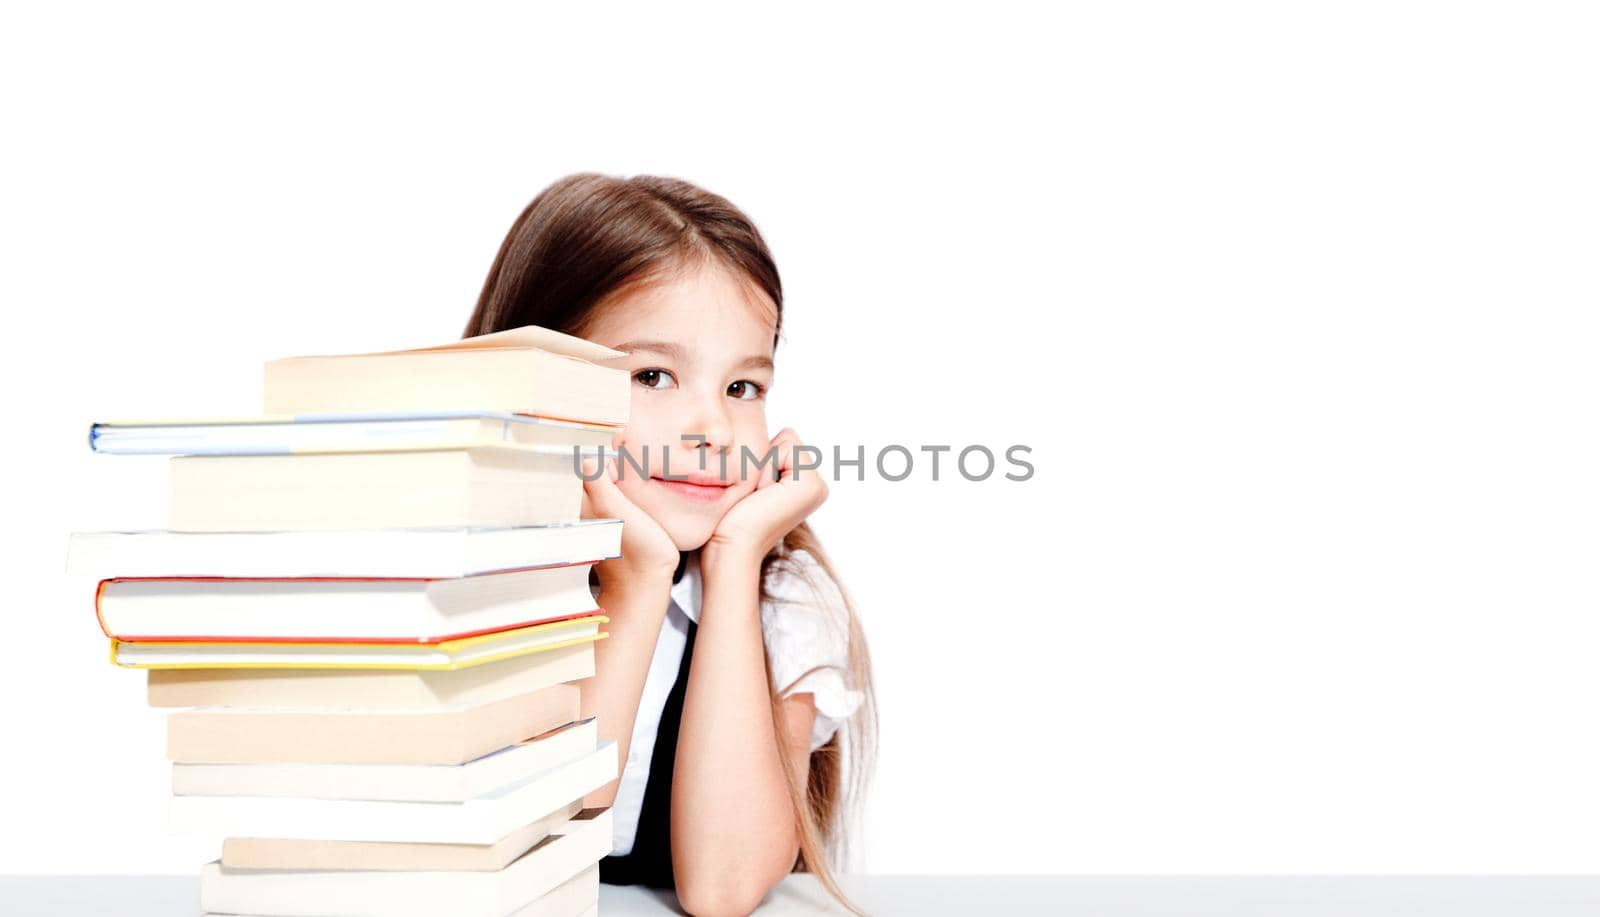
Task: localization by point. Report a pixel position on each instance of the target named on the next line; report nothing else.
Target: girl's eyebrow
(676, 352)
(667, 347)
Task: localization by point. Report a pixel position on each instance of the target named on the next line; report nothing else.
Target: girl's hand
(760, 520)
(649, 555)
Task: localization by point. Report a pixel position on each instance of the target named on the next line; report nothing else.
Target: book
(367, 620)
(433, 552)
(540, 908)
(551, 905)
(446, 654)
(347, 432)
(298, 853)
(559, 878)
(481, 820)
(480, 486)
(527, 370)
(399, 782)
(339, 609)
(358, 735)
(373, 688)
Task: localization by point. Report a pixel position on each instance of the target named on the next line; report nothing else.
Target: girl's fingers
(785, 443)
(814, 486)
(588, 467)
(592, 473)
(602, 493)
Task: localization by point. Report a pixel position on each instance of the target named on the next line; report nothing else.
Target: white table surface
(989, 896)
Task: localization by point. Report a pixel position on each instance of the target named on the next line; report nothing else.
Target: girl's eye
(750, 391)
(654, 378)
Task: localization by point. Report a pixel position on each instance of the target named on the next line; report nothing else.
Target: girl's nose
(711, 421)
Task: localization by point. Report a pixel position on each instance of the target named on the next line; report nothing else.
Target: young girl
(735, 680)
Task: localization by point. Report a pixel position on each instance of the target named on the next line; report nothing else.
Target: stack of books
(368, 616)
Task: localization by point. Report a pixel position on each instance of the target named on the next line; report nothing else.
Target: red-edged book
(343, 609)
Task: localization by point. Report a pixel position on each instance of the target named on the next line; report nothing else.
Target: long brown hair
(584, 238)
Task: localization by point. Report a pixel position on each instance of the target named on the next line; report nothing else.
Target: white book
(480, 820)
(552, 905)
(559, 878)
(362, 609)
(421, 552)
(397, 782)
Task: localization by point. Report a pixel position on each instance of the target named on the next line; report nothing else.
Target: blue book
(377, 431)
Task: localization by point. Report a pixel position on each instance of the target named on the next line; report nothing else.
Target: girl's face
(699, 345)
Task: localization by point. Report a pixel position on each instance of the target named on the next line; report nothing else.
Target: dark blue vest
(650, 861)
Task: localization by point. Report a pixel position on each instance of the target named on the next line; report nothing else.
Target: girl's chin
(687, 529)
(689, 523)
(687, 537)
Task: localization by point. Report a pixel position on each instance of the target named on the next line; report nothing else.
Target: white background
(1295, 305)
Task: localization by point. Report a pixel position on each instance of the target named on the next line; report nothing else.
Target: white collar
(686, 591)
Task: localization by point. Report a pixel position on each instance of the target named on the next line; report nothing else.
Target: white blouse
(805, 627)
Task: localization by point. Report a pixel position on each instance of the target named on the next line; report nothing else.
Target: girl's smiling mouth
(692, 487)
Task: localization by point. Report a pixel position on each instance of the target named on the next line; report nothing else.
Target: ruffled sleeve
(806, 627)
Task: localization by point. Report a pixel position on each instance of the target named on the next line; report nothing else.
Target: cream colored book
(355, 735)
(395, 782)
(381, 856)
(527, 370)
(478, 486)
(382, 688)
(481, 820)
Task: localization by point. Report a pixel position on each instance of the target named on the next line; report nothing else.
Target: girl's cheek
(638, 451)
